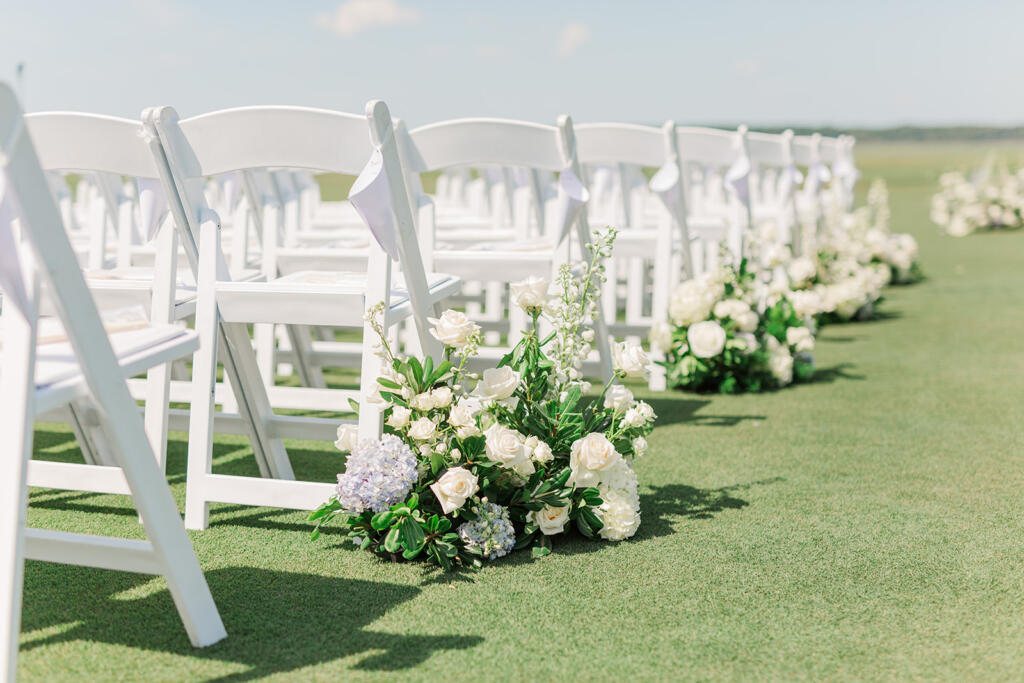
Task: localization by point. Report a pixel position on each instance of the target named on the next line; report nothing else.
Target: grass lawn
(867, 525)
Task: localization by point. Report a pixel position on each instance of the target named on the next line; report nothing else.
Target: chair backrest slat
(479, 142)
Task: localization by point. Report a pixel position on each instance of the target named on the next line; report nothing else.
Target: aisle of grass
(868, 525)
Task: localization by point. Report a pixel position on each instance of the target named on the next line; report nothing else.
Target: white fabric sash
(665, 184)
(790, 178)
(371, 197)
(737, 178)
(572, 195)
(817, 175)
(846, 173)
(152, 206)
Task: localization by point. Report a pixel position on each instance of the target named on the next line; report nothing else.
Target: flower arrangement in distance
(466, 476)
(729, 333)
(991, 199)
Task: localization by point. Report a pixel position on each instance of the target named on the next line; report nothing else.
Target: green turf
(867, 525)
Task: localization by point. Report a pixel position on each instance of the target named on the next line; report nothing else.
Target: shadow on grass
(671, 502)
(684, 411)
(839, 371)
(276, 621)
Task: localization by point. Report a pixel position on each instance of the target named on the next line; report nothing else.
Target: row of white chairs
(275, 256)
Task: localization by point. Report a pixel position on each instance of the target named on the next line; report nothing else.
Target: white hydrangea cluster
(492, 532)
(991, 199)
(377, 475)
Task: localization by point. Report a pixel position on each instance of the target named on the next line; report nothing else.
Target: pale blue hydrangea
(492, 531)
(378, 475)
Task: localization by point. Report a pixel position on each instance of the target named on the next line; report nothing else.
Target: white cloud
(571, 38)
(355, 16)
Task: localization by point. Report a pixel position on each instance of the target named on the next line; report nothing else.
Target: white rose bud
(399, 417)
(422, 429)
(633, 418)
(530, 293)
(454, 487)
(422, 402)
(542, 453)
(348, 437)
(618, 398)
(442, 397)
(497, 383)
(706, 339)
(453, 328)
(551, 520)
(630, 360)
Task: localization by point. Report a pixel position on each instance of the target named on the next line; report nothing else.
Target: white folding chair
(292, 137)
(35, 379)
(486, 142)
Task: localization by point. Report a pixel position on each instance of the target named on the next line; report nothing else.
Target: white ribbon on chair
(11, 279)
(371, 197)
(790, 178)
(817, 175)
(152, 206)
(844, 171)
(737, 178)
(665, 184)
(572, 195)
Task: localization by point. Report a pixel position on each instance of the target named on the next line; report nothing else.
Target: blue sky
(784, 62)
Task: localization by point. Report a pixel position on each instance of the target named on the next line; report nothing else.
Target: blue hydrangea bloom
(378, 475)
(492, 532)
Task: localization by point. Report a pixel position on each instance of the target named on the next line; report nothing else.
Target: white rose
(706, 339)
(800, 338)
(639, 446)
(463, 414)
(422, 429)
(530, 293)
(589, 456)
(467, 432)
(497, 383)
(633, 418)
(453, 328)
(348, 437)
(505, 446)
(551, 520)
(780, 363)
(692, 300)
(618, 398)
(454, 487)
(630, 360)
(542, 453)
(441, 397)
(660, 337)
(399, 417)
(422, 402)
(618, 514)
(747, 321)
(806, 303)
(801, 271)
(749, 342)
(645, 410)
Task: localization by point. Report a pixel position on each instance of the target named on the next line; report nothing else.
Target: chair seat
(319, 297)
(137, 346)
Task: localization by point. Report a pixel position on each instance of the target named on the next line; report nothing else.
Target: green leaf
(391, 541)
(591, 519)
(382, 520)
(412, 533)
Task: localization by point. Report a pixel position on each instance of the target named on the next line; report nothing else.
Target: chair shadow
(276, 621)
(684, 411)
(831, 374)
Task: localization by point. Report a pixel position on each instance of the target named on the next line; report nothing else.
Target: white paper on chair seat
(540, 244)
(371, 197)
(356, 282)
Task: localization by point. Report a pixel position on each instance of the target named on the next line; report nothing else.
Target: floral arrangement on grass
(466, 476)
(731, 332)
(993, 199)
